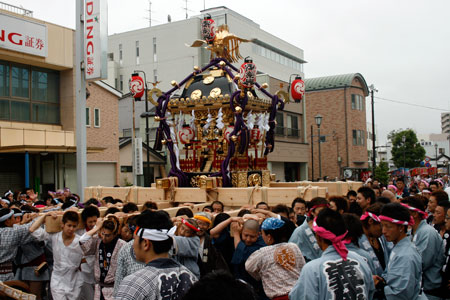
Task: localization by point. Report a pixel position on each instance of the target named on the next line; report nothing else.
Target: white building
(437, 147)
(162, 53)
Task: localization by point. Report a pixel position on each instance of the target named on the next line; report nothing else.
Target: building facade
(445, 122)
(340, 100)
(162, 53)
(102, 109)
(37, 109)
(437, 148)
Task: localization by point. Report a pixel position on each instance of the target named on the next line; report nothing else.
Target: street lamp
(435, 150)
(404, 150)
(318, 119)
(374, 162)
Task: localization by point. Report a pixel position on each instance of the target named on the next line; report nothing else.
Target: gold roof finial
(224, 44)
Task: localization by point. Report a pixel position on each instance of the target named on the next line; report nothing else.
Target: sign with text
(138, 156)
(23, 36)
(95, 39)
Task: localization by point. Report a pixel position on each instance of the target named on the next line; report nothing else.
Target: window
(126, 169)
(120, 52)
(4, 110)
(29, 94)
(115, 83)
(137, 52)
(357, 102)
(20, 111)
(358, 137)
(279, 127)
(45, 86)
(20, 82)
(154, 50)
(96, 117)
(126, 132)
(88, 117)
(4, 80)
(292, 125)
(121, 82)
(155, 75)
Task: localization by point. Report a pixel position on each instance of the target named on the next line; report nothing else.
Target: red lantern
(137, 86)
(298, 89)
(248, 73)
(186, 134)
(208, 30)
(227, 133)
(255, 134)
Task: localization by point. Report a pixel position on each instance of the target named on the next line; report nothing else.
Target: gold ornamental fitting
(157, 118)
(237, 77)
(173, 83)
(222, 63)
(163, 142)
(264, 86)
(234, 138)
(238, 109)
(196, 68)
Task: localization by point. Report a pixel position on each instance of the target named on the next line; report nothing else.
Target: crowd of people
(379, 242)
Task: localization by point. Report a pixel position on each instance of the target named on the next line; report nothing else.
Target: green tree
(406, 154)
(381, 172)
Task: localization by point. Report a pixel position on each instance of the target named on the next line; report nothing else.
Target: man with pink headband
(403, 275)
(303, 235)
(338, 273)
(430, 246)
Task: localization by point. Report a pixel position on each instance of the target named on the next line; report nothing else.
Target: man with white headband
(11, 237)
(162, 277)
(430, 246)
(403, 275)
(7, 199)
(338, 273)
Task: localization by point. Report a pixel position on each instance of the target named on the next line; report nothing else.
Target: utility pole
(374, 161)
(312, 154)
(149, 13)
(80, 98)
(146, 174)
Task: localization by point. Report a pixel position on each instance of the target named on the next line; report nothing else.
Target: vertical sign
(138, 156)
(95, 39)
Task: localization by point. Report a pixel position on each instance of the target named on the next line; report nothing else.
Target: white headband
(156, 235)
(19, 214)
(7, 216)
(8, 193)
(5, 200)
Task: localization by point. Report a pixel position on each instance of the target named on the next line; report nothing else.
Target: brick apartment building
(102, 109)
(340, 100)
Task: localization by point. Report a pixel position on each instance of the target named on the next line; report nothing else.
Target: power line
(412, 104)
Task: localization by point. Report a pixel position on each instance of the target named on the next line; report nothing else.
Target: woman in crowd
(278, 265)
(106, 248)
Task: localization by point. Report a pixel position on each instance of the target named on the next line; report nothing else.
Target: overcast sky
(400, 46)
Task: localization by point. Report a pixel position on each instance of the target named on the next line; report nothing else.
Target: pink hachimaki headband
(368, 214)
(395, 221)
(337, 241)
(421, 212)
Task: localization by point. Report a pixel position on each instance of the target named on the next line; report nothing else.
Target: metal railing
(288, 132)
(16, 9)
